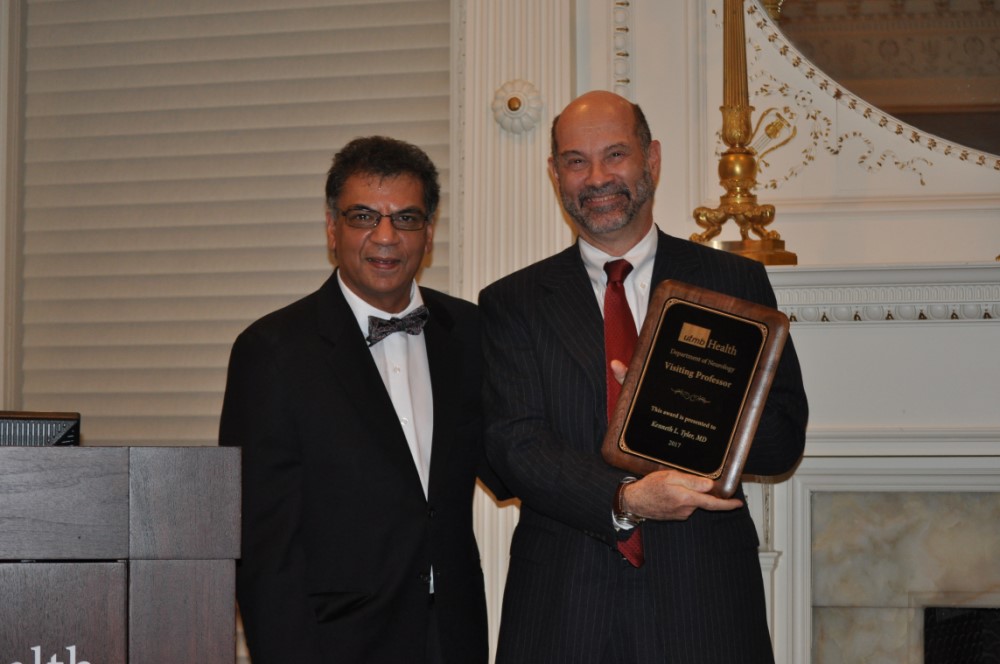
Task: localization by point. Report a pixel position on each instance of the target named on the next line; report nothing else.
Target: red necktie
(619, 343)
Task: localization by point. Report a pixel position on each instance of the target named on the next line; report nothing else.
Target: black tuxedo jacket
(569, 593)
(338, 538)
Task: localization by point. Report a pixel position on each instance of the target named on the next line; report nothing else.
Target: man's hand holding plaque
(669, 495)
(692, 398)
(673, 495)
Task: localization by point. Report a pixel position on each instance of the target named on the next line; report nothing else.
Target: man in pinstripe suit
(570, 595)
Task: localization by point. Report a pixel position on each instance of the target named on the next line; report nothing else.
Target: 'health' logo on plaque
(695, 335)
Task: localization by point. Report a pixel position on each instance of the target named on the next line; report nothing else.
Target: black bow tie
(411, 323)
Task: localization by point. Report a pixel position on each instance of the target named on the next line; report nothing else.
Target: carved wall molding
(506, 212)
(903, 293)
(517, 106)
(622, 47)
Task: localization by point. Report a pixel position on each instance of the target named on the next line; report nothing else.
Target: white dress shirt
(401, 359)
(637, 286)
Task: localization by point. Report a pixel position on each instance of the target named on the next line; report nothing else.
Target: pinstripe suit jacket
(569, 593)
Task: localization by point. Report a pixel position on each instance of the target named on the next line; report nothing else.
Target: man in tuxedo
(606, 568)
(358, 411)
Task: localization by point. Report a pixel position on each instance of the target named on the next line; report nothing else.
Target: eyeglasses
(362, 217)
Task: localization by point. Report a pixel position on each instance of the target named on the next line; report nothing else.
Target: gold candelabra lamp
(738, 165)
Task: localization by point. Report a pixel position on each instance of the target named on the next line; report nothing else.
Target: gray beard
(574, 207)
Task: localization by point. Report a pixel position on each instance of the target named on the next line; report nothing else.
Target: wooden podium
(114, 555)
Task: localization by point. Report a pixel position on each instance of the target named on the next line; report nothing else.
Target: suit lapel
(352, 366)
(674, 260)
(444, 358)
(570, 308)
(569, 305)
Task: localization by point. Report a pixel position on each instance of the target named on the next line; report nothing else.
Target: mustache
(605, 190)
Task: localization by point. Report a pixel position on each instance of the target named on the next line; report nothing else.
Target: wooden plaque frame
(696, 386)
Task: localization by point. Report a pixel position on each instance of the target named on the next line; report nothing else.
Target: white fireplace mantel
(900, 365)
(897, 360)
(969, 291)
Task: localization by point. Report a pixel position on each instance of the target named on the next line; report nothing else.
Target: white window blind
(174, 162)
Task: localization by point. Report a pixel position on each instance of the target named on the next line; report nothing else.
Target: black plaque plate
(696, 385)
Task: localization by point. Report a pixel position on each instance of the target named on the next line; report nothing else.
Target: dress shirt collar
(641, 256)
(637, 284)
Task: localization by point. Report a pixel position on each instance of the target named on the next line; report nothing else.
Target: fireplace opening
(961, 635)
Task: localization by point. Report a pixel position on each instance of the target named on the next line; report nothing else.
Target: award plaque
(696, 385)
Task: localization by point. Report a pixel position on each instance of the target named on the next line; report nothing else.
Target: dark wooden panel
(185, 503)
(181, 505)
(182, 611)
(63, 502)
(73, 611)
